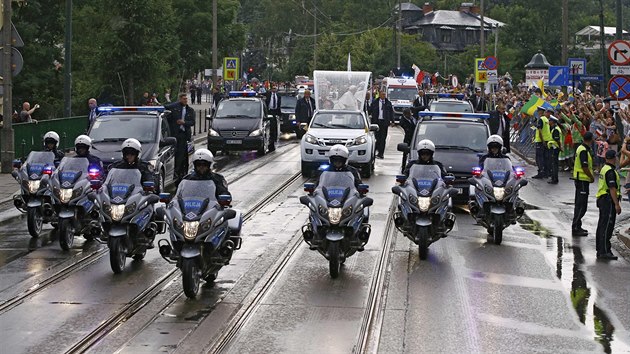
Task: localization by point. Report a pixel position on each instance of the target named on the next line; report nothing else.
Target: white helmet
(83, 139)
(494, 139)
(426, 144)
(203, 155)
(131, 143)
(52, 135)
(339, 150)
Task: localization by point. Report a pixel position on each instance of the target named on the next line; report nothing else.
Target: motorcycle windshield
(195, 197)
(425, 178)
(70, 169)
(498, 170)
(122, 183)
(37, 161)
(336, 186)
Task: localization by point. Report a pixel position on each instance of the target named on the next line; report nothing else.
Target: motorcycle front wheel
(497, 230)
(423, 241)
(117, 254)
(191, 277)
(333, 259)
(66, 234)
(34, 221)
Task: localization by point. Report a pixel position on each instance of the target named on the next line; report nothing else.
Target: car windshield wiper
(232, 116)
(318, 125)
(109, 140)
(455, 147)
(345, 126)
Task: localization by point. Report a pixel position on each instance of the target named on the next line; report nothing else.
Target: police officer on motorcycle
(82, 145)
(426, 149)
(51, 140)
(495, 145)
(339, 163)
(131, 149)
(202, 161)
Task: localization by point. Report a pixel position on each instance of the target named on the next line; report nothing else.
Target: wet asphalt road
(540, 291)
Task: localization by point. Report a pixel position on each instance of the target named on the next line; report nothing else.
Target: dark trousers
(405, 155)
(605, 224)
(193, 96)
(273, 128)
(181, 155)
(540, 159)
(553, 162)
(581, 202)
(381, 138)
(199, 92)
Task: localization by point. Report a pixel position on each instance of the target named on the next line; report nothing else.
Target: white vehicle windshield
(401, 93)
(332, 120)
(341, 90)
(459, 107)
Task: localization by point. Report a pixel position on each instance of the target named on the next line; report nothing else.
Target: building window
(446, 36)
(470, 37)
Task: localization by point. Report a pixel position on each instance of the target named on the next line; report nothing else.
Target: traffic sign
(17, 61)
(481, 74)
(16, 40)
(480, 64)
(558, 75)
(620, 70)
(491, 62)
(577, 66)
(619, 52)
(230, 69)
(619, 87)
(591, 77)
(493, 77)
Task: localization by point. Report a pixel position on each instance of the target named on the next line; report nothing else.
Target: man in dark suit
(92, 114)
(478, 102)
(499, 123)
(273, 102)
(420, 103)
(304, 109)
(180, 121)
(383, 115)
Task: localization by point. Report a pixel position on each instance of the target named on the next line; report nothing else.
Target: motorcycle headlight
(117, 211)
(310, 139)
(65, 194)
(33, 186)
(424, 203)
(129, 209)
(256, 132)
(499, 193)
(360, 140)
(334, 215)
(212, 132)
(190, 229)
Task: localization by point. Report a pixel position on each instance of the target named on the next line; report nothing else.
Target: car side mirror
(270, 117)
(208, 116)
(374, 127)
(303, 126)
(402, 147)
(168, 141)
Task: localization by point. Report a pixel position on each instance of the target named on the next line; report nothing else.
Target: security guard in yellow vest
(555, 146)
(582, 176)
(541, 139)
(608, 197)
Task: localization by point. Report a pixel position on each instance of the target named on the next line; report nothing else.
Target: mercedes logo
(233, 133)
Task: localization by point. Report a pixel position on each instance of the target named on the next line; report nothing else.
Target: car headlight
(256, 132)
(334, 215)
(499, 193)
(424, 203)
(190, 229)
(33, 186)
(310, 139)
(212, 132)
(360, 140)
(152, 164)
(291, 116)
(65, 194)
(117, 211)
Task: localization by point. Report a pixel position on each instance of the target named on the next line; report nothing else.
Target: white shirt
(381, 103)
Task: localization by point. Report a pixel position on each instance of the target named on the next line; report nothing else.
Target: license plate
(234, 141)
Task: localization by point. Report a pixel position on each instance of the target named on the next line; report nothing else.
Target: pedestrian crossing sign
(481, 73)
(230, 68)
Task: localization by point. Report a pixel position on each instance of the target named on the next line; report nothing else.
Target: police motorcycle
(424, 206)
(127, 209)
(35, 199)
(495, 203)
(77, 214)
(204, 232)
(338, 220)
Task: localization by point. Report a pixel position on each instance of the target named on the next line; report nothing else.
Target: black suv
(114, 125)
(288, 122)
(240, 123)
(459, 138)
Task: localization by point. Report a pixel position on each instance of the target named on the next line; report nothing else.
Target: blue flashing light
(323, 167)
(459, 96)
(294, 122)
(104, 109)
(454, 115)
(242, 94)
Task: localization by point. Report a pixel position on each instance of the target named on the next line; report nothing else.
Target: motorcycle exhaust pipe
(227, 249)
(364, 233)
(151, 231)
(48, 210)
(449, 221)
(473, 207)
(399, 221)
(307, 232)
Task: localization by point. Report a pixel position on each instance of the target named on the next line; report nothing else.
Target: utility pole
(602, 47)
(496, 40)
(67, 69)
(399, 35)
(565, 31)
(314, 36)
(618, 34)
(482, 38)
(215, 62)
(7, 154)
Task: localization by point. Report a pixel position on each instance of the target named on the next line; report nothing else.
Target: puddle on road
(533, 226)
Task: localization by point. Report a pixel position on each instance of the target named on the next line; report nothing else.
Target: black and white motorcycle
(338, 221)
(204, 232)
(424, 206)
(35, 198)
(127, 210)
(495, 203)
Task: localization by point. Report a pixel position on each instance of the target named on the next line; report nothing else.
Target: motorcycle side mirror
(363, 188)
(229, 214)
(396, 190)
(225, 200)
(152, 199)
(523, 182)
(45, 179)
(148, 186)
(165, 197)
(168, 141)
(449, 180)
(453, 193)
(309, 187)
(95, 184)
(402, 147)
(14, 174)
(91, 196)
(367, 202)
(304, 200)
(401, 179)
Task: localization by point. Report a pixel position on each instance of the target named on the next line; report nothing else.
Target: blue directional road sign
(591, 77)
(558, 75)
